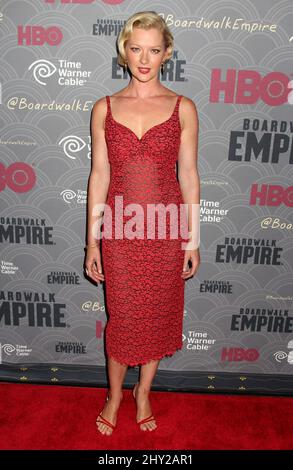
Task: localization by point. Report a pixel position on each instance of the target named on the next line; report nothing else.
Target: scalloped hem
(157, 358)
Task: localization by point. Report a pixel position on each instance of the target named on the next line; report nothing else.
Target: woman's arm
(99, 178)
(189, 179)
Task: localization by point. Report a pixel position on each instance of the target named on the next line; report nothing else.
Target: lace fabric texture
(143, 285)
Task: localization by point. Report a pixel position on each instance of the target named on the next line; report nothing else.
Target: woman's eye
(136, 49)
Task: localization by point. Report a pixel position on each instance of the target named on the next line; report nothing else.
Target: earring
(125, 66)
(162, 67)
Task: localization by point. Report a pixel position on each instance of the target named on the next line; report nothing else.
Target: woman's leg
(117, 374)
(147, 374)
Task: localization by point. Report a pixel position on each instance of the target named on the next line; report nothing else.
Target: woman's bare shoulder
(100, 108)
(188, 105)
(100, 103)
(188, 111)
(187, 102)
(99, 111)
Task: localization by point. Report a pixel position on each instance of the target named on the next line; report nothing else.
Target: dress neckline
(147, 131)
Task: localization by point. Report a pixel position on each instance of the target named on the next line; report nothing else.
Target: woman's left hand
(194, 257)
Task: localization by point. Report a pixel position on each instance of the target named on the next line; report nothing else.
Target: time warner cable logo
(7, 349)
(69, 73)
(42, 69)
(73, 144)
(282, 355)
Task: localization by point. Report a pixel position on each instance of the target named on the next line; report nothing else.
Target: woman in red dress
(139, 134)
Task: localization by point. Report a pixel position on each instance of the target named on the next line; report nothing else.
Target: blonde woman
(139, 134)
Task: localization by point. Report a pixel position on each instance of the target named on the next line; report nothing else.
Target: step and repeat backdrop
(235, 60)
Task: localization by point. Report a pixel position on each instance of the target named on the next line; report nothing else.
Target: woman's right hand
(93, 264)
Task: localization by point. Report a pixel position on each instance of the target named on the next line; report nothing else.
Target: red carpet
(60, 417)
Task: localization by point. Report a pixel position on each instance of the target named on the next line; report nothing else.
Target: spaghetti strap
(176, 110)
(178, 101)
(108, 104)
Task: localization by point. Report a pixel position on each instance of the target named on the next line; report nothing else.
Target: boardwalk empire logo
(31, 309)
(248, 250)
(25, 230)
(262, 320)
(262, 140)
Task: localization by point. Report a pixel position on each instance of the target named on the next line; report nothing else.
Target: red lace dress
(143, 285)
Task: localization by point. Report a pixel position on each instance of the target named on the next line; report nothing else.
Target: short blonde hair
(143, 20)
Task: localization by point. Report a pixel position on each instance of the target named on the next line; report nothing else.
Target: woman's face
(145, 51)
